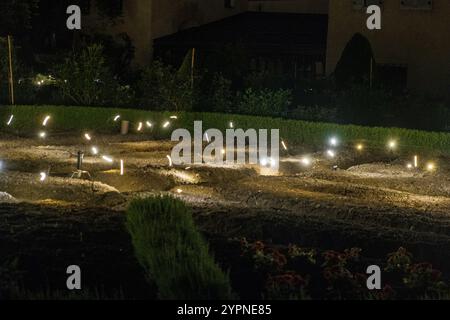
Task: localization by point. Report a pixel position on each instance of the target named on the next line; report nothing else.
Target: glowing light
(273, 163)
(359, 147)
(121, 167)
(140, 126)
(116, 117)
(44, 123)
(409, 166)
(42, 134)
(170, 160)
(10, 119)
(107, 159)
(392, 144)
(179, 191)
(87, 136)
(263, 162)
(305, 161)
(223, 151)
(284, 145)
(331, 153)
(231, 124)
(94, 150)
(43, 176)
(173, 117)
(149, 124)
(166, 124)
(416, 161)
(334, 141)
(431, 166)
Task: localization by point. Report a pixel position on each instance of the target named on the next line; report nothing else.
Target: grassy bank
(172, 251)
(28, 119)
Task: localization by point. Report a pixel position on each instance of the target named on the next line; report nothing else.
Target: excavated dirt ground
(371, 201)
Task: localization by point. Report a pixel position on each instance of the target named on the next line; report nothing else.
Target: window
(416, 4)
(361, 4)
(230, 4)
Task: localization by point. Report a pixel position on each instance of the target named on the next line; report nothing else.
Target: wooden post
(11, 76)
(192, 67)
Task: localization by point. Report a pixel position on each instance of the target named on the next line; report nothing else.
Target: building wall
(171, 16)
(416, 38)
(145, 20)
(135, 22)
(289, 6)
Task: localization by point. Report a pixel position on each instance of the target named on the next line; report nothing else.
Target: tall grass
(173, 252)
(27, 119)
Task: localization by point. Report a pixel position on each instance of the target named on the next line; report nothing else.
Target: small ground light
(305, 161)
(42, 134)
(231, 124)
(431, 166)
(46, 119)
(409, 166)
(223, 151)
(263, 162)
(42, 176)
(94, 150)
(166, 124)
(170, 160)
(284, 145)
(416, 161)
(392, 144)
(179, 191)
(149, 124)
(173, 117)
(87, 136)
(121, 167)
(331, 153)
(359, 147)
(334, 141)
(10, 120)
(140, 125)
(116, 117)
(273, 163)
(107, 159)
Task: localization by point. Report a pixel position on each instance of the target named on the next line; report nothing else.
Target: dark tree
(355, 63)
(16, 16)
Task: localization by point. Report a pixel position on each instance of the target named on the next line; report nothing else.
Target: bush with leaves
(264, 102)
(172, 251)
(86, 79)
(162, 87)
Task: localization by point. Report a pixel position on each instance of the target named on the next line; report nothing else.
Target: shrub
(173, 252)
(85, 79)
(354, 64)
(265, 102)
(161, 87)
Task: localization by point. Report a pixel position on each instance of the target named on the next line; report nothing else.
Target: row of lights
(94, 150)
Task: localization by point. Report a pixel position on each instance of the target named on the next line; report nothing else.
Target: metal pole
(192, 67)
(11, 76)
(80, 160)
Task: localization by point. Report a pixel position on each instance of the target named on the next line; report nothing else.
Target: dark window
(361, 4)
(230, 4)
(416, 4)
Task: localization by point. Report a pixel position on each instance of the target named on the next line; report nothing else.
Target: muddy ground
(366, 199)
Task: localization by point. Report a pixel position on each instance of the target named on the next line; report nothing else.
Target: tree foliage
(16, 15)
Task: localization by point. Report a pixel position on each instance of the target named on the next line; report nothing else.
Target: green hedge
(172, 251)
(28, 119)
